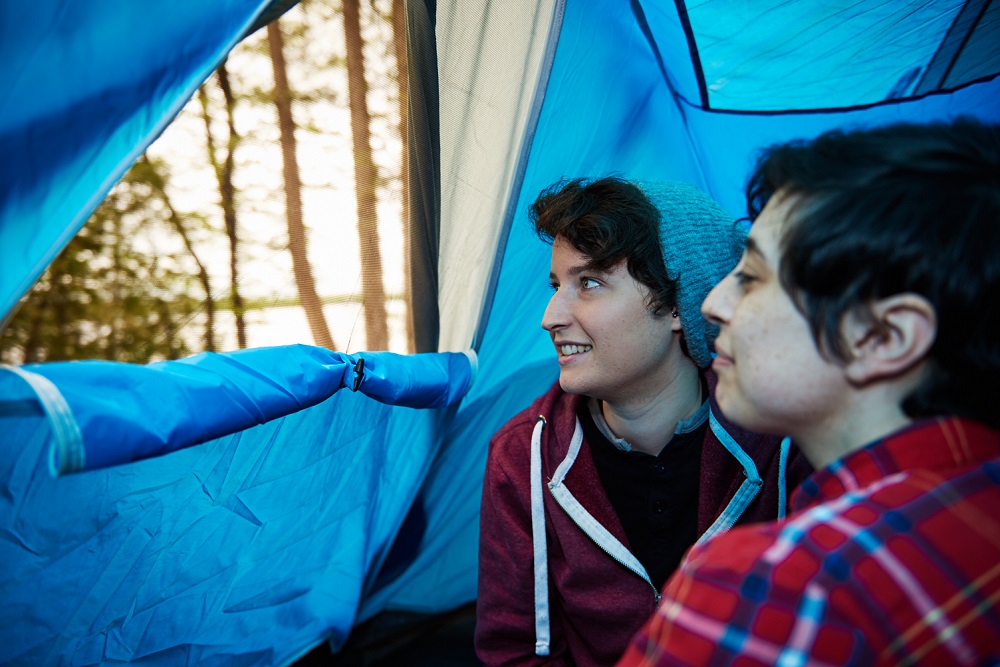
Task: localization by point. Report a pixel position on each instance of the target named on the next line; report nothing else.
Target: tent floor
(403, 638)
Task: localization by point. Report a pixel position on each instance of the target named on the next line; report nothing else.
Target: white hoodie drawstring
(541, 561)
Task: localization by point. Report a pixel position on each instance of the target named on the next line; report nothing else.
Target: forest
(270, 211)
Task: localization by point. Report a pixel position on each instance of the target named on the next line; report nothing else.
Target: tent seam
(845, 109)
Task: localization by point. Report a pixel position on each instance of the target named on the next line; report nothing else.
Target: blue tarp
(107, 413)
(256, 545)
(252, 547)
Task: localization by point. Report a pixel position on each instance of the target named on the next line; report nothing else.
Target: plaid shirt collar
(939, 444)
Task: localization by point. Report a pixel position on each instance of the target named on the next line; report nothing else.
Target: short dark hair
(608, 220)
(901, 208)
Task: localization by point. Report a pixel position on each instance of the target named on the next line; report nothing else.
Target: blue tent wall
(578, 133)
(246, 550)
(739, 137)
(249, 549)
(607, 110)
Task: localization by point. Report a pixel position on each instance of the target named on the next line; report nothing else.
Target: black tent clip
(359, 373)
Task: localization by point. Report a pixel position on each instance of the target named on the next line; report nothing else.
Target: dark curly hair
(608, 220)
(901, 208)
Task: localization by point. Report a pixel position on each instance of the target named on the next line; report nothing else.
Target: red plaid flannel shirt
(891, 557)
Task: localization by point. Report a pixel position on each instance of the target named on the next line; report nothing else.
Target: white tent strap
(67, 453)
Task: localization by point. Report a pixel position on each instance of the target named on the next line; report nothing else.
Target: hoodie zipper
(595, 531)
(643, 575)
(590, 526)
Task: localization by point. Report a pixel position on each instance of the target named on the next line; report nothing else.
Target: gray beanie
(701, 244)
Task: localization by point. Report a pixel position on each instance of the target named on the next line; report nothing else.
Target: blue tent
(250, 533)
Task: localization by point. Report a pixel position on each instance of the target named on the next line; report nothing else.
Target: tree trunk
(364, 182)
(399, 47)
(293, 193)
(227, 193)
(157, 181)
(32, 345)
(203, 277)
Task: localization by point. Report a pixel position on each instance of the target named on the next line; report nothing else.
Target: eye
(743, 278)
(589, 283)
(553, 285)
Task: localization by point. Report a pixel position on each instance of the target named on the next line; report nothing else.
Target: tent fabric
(491, 56)
(84, 93)
(423, 169)
(766, 56)
(632, 123)
(253, 547)
(968, 52)
(25, 393)
(248, 550)
(145, 411)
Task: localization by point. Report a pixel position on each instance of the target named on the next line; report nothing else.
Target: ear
(888, 338)
(675, 325)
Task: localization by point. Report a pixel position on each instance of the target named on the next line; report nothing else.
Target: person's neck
(872, 416)
(648, 421)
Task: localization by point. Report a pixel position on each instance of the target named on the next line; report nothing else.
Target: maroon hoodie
(595, 603)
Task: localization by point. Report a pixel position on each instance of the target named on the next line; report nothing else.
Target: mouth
(721, 358)
(572, 349)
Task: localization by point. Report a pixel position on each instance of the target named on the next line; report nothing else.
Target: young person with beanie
(862, 321)
(593, 494)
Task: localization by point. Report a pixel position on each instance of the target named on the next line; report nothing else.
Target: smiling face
(772, 377)
(610, 345)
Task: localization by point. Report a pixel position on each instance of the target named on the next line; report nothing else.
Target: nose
(556, 313)
(717, 306)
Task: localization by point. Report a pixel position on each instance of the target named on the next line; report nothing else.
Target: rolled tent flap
(107, 413)
(430, 380)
